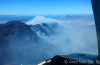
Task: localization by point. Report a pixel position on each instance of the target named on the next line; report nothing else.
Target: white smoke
(74, 37)
(40, 19)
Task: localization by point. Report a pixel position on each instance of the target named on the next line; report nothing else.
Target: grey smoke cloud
(74, 35)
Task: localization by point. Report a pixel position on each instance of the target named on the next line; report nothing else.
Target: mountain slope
(20, 43)
(14, 37)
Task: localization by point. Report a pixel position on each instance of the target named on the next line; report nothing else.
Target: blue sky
(44, 7)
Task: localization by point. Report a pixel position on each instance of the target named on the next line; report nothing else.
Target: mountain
(15, 36)
(15, 30)
(23, 44)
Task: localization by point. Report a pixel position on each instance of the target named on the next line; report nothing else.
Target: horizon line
(40, 14)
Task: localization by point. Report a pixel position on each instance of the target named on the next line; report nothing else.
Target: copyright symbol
(65, 61)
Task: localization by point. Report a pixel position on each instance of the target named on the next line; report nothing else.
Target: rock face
(14, 35)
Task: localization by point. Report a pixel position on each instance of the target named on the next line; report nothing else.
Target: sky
(45, 7)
